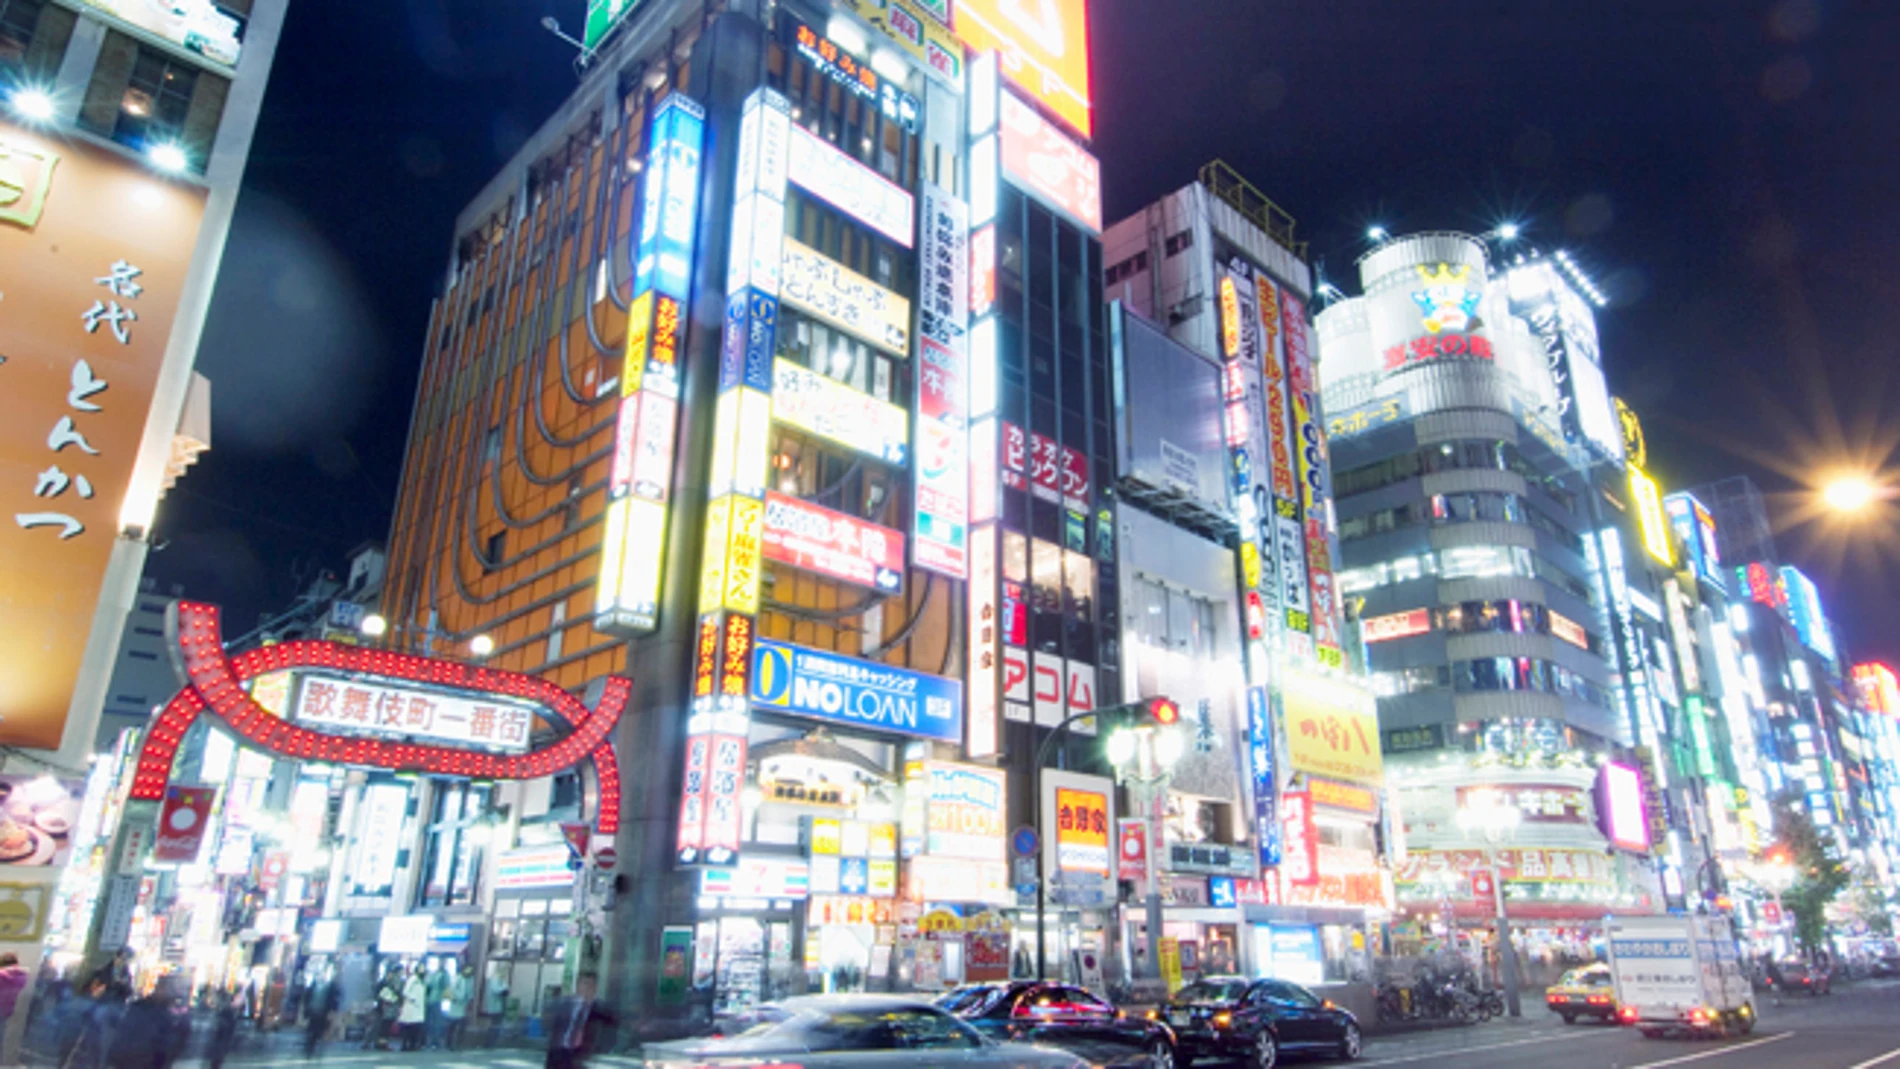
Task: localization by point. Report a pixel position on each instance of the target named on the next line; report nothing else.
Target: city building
(1228, 555)
(770, 375)
(124, 133)
(1488, 558)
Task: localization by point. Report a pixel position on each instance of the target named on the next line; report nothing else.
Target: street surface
(1856, 1028)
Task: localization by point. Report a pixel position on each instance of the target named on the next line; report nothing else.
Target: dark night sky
(1726, 169)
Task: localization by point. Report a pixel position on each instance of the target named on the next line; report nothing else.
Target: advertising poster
(94, 253)
(37, 817)
(830, 409)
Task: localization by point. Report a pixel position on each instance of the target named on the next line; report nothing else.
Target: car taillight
(1628, 1013)
(1599, 1000)
(1154, 1015)
(1222, 1020)
(1697, 1016)
(1328, 1004)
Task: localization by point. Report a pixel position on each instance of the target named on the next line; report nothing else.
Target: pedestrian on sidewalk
(455, 1007)
(320, 1006)
(413, 1015)
(384, 1009)
(438, 993)
(224, 1027)
(574, 1025)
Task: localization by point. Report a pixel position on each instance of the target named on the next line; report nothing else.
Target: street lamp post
(1494, 822)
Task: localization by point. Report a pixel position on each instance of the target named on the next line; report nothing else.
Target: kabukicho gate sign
(383, 707)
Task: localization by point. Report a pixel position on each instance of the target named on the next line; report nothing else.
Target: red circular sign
(605, 857)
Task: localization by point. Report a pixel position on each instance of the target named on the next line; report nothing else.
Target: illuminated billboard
(94, 256)
(346, 706)
(1622, 815)
(850, 186)
(1395, 626)
(1805, 612)
(1051, 164)
(640, 479)
(823, 685)
(828, 290)
(832, 544)
(197, 26)
(1650, 517)
(1879, 691)
(1332, 728)
(1044, 49)
(1695, 529)
(831, 410)
(942, 506)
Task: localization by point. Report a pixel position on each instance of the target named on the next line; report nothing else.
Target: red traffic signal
(1164, 711)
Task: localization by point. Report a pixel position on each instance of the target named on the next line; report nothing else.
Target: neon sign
(215, 684)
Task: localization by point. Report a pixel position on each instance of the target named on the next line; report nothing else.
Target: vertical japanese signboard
(733, 551)
(984, 606)
(943, 438)
(1309, 443)
(94, 253)
(640, 480)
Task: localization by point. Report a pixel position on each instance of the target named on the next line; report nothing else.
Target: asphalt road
(1856, 1028)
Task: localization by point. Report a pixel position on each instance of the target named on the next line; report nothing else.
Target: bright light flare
(1509, 231)
(32, 104)
(168, 158)
(1376, 233)
(481, 645)
(1849, 493)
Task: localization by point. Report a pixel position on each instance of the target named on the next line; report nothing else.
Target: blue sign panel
(670, 207)
(854, 876)
(760, 335)
(1220, 892)
(732, 343)
(844, 690)
(1266, 794)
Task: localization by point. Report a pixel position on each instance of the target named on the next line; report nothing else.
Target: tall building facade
(1228, 513)
(772, 374)
(123, 139)
(1483, 520)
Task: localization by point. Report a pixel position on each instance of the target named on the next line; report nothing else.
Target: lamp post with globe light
(1490, 817)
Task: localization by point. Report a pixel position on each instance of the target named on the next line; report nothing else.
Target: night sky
(1724, 168)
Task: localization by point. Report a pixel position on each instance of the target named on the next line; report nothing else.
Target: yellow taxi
(1585, 992)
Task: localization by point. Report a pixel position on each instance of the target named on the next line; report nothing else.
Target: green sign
(602, 15)
(676, 965)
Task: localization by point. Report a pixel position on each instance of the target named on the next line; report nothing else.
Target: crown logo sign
(1448, 303)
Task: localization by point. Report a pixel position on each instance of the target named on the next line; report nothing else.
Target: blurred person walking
(414, 1013)
(574, 1025)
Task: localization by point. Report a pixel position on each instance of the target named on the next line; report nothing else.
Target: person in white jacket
(415, 1001)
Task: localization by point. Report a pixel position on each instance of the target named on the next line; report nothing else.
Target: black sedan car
(1232, 1017)
(1064, 1016)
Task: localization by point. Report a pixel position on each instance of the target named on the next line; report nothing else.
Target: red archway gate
(215, 684)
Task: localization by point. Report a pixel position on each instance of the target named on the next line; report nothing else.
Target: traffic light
(1162, 711)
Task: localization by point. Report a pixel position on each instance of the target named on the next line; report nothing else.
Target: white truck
(1679, 975)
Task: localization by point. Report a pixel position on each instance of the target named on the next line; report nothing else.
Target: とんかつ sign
(95, 252)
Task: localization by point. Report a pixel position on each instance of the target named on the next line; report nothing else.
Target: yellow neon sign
(1650, 516)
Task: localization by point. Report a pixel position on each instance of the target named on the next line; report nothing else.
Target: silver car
(858, 1032)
